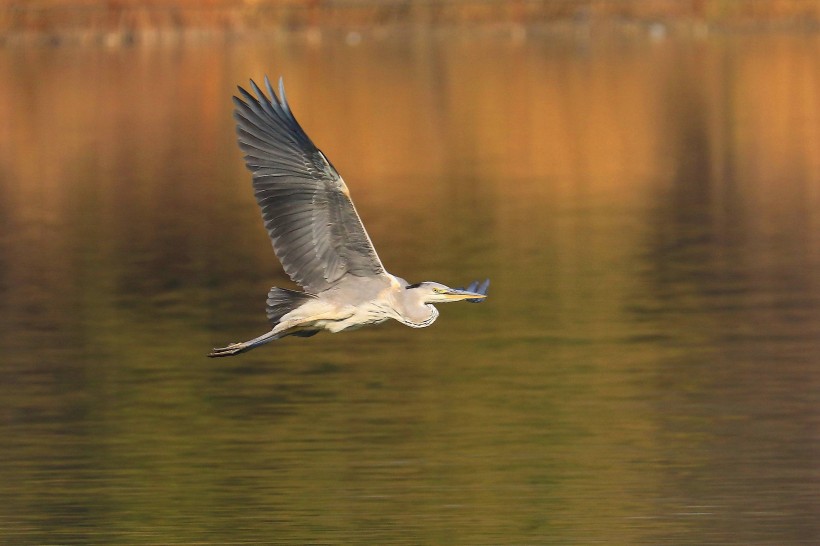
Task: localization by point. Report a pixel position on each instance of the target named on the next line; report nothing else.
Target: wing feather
(313, 225)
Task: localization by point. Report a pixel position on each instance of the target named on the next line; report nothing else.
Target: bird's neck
(417, 314)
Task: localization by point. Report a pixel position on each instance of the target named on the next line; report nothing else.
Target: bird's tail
(282, 301)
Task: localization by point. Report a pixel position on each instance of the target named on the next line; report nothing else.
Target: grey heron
(318, 236)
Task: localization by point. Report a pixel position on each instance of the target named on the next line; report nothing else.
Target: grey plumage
(315, 229)
(318, 236)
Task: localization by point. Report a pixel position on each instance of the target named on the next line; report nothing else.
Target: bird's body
(362, 301)
(319, 238)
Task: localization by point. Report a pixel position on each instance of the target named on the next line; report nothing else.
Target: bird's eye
(439, 290)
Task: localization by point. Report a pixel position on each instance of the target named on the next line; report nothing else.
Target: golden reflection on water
(645, 371)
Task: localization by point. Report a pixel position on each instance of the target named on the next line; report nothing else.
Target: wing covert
(313, 225)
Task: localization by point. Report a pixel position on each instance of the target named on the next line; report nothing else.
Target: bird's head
(433, 292)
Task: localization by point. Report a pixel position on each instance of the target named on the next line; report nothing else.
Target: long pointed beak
(475, 293)
(456, 294)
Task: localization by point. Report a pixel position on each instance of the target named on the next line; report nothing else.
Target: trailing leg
(237, 348)
(280, 302)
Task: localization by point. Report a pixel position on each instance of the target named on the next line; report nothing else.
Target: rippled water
(647, 369)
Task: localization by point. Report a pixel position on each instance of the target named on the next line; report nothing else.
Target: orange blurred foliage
(127, 21)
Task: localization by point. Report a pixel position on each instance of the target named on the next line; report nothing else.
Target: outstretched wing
(314, 227)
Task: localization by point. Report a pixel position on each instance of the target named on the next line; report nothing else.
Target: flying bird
(318, 236)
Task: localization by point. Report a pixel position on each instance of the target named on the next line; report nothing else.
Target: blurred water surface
(647, 369)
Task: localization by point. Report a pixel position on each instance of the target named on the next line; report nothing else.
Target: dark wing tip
(479, 289)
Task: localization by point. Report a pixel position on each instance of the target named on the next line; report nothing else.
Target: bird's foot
(236, 348)
(230, 350)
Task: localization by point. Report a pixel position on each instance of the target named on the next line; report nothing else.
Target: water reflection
(645, 371)
(736, 291)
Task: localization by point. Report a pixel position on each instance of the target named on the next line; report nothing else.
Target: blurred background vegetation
(128, 21)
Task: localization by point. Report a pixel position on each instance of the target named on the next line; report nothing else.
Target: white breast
(372, 313)
(424, 323)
